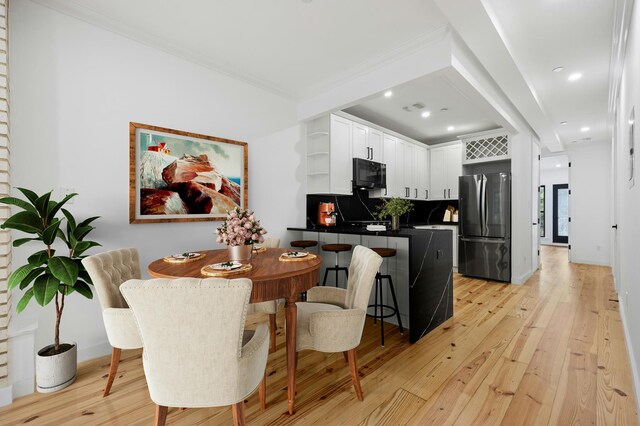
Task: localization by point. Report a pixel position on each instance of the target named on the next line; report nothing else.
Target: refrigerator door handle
(483, 240)
(483, 206)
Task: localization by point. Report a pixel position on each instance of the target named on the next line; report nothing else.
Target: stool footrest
(390, 308)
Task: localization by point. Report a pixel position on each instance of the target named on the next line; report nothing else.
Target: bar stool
(336, 248)
(384, 252)
(303, 244)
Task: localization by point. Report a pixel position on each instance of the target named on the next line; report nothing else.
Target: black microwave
(369, 174)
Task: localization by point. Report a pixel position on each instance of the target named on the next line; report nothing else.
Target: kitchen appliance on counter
(485, 226)
(327, 215)
(369, 174)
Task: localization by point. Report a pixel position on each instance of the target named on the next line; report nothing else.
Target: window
(541, 209)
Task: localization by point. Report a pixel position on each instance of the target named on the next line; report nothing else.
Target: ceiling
(293, 47)
(575, 34)
(434, 92)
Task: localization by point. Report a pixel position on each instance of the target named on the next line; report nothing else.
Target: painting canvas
(178, 176)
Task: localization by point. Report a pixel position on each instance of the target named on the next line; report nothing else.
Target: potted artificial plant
(394, 208)
(50, 275)
(240, 231)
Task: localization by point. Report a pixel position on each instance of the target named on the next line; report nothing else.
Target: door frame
(557, 239)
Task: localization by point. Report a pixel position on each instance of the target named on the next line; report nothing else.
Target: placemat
(260, 250)
(210, 272)
(171, 259)
(310, 256)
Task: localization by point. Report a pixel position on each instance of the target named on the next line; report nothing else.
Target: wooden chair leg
(238, 414)
(353, 367)
(346, 356)
(296, 361)
(262, 392)
(113, 369)
(161, 415)
(272, 331)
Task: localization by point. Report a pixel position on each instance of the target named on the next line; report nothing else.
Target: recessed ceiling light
(388, 94)
(563, 122)
(444, 109)
(558, 69)
(425, 114)
(575, 76)
(584, 129)
(451, 128)
(558, 165)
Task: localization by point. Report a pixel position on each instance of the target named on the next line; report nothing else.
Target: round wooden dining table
(272, 279)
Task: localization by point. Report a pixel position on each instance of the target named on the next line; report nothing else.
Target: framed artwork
(177, 176)
(632, 144)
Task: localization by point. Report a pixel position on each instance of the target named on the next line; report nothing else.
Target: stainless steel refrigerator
(484, 248)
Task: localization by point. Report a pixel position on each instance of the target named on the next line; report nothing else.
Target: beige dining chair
(107, 271)
(195, 356)
(270, 307)
(332, 319)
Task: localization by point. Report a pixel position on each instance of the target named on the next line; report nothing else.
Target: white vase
(56, 372)
(240, 253)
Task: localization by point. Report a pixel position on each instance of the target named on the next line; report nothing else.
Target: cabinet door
(400, 188)
(344, 258)
(454, 170)
(341, 168)
(389, 158)
(426, 179)
(408, 177)
(419, 173)
(438, 173)
(374, 142)
(359, 141)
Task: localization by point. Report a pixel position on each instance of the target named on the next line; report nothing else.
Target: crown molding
(78, 10)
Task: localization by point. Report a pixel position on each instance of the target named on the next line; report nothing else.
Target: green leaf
(70, 220)
(45, 288)
(64, 269)
(53, 211)
(20, 274)
(24, 300)
(32, 276)
(26, 221)
(42, 203)
(66, 289)
(49, 234)
(88, 221)
(84, 276)
(63, 237)
(40, 257)
(19, 203)
(84, 289)
(31, 196)
(82, 246)
(82, 231)
(21, 241)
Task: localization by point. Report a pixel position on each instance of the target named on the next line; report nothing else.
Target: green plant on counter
(48, 276)
(394, 207)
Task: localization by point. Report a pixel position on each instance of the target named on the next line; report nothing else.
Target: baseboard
(523, 278)
(95, 351)
(591, 262)
(632, 361)
(6, 395)
(23, 387)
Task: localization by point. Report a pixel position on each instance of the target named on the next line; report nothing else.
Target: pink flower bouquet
(240, 228)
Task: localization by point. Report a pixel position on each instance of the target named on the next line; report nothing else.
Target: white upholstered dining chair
(196, 351)
(270, 307)
(107, 271)
(332, 319)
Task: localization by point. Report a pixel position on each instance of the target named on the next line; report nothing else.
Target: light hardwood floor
(549, 352)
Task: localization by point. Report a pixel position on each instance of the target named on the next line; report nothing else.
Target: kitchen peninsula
(422, 270)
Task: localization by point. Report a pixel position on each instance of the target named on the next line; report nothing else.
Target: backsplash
(360, 207)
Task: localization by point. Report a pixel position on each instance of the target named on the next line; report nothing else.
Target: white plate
(223, 267)
(290, 254)
(189, 255)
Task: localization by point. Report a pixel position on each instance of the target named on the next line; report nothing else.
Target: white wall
(76, 87)
(628, 199)
(548, 178)
(590, 184)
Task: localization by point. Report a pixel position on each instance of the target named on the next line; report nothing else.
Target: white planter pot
(56, 372)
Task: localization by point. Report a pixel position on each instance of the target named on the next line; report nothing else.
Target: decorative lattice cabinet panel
(485, 148)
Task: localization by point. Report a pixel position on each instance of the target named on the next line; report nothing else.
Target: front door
(561, 213)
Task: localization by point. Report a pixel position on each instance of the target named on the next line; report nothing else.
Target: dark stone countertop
(406, 232)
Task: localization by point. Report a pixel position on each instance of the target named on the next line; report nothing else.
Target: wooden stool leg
(272, 331)
(353, 368)
(161, 415)
(238, 414)
(113, 369)
(262, 392)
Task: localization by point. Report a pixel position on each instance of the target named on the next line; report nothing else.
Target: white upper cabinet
(374, 143)
(366, 142)
(446, 167)
(421, 173)
(389, 158)
(341, 164)
(408, 167)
